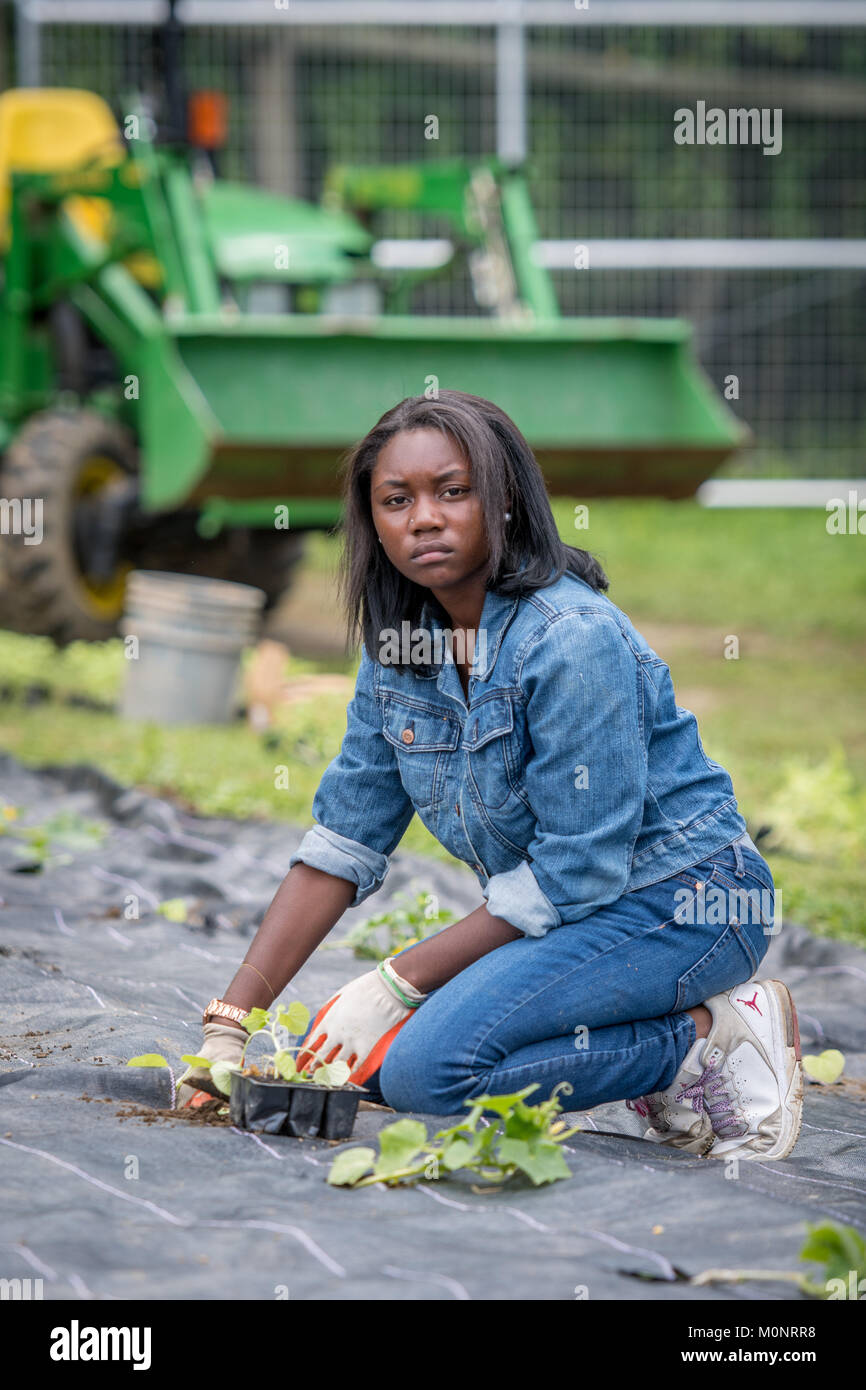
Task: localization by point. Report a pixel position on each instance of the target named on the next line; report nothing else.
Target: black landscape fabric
(102, 1198)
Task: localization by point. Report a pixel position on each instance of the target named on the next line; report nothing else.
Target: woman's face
(421, 496)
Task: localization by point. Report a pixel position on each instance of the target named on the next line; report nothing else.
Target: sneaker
(677, 1115)
(754, 1093)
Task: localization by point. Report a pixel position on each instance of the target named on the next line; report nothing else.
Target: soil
(853, 1087)
(206, 1114)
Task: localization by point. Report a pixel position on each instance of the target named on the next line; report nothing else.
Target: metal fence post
(511, 91)
(28, 66)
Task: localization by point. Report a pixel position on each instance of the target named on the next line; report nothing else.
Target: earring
(507, 516)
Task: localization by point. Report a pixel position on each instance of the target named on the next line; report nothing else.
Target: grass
(784, 715)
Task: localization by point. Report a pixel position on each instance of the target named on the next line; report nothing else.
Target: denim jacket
(569, 778)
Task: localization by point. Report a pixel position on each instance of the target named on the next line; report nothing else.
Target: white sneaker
(753, 1086)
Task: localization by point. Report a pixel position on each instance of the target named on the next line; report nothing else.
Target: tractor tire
(64, 458)
(70, 459)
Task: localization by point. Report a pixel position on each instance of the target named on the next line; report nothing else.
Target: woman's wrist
(225, 1023)
(304, 908)
(437, 960)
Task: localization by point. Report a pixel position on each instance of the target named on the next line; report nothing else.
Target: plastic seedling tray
(301, 1109)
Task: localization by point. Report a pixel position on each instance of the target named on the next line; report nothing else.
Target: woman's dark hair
(507, 477)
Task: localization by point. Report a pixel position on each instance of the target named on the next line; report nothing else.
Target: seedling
(279, 1097)
(66, 829)
(523, 1138)
(840, 1251)
(280, 1066)
(401, 927)
(156, 1059)
(174, 909)
(283, 1099)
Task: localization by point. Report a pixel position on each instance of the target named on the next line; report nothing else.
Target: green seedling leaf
(541, 1162)
(335, 1073)
(458, 1153)
(388, 933)
(443, 1137)
(148, 1059)
(491, 1152)
(350, 1165)
(474, 1115)
(827, 1066)
(221, 1074)
(502, 1105)
(523, 1123)
(838, 1248)
(255, 1020)
(196, 1061)
(284, 1065)
(398, 1145)
(487, 1137)
(174, 909)
(295, 1018)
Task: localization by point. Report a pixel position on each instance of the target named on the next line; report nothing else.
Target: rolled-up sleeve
(585, 778)
(361, 805)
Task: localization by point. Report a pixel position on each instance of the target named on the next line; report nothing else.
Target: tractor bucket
(263, 406)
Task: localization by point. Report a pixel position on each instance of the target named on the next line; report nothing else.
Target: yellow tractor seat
(54, 130)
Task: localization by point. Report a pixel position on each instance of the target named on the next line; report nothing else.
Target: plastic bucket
(191, 632)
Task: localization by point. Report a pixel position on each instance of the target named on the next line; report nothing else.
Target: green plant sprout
(403, 926)
(156, 1059)
(174, 909)
(840, 1250)
(280, 1066)
(295, 1019)
(65, 828)
(523, 1138)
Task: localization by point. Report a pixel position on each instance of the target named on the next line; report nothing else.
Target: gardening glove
(358, 1025)
(221, 1044)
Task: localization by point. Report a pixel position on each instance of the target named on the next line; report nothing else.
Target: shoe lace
(650, 1108)
(719, 1105)
(710, 1093)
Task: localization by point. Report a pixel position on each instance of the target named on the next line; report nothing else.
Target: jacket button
(407, 736)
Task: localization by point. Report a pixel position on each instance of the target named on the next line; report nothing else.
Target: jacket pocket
(419, 736)
(729, 960)
(488, 741)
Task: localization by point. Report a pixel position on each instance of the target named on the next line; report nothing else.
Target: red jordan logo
(750, 1003)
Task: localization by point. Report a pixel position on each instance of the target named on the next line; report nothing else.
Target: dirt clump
(207, 1114)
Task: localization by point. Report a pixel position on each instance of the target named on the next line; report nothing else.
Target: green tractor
(184, 360)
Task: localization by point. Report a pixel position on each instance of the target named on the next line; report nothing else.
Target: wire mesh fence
(603, 164)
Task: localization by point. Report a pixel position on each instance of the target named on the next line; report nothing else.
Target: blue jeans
(598, 1004)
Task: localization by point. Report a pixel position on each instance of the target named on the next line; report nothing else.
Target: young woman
(536, 734)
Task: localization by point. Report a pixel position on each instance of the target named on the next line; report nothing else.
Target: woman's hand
(222, 1043)
(358, 1024)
